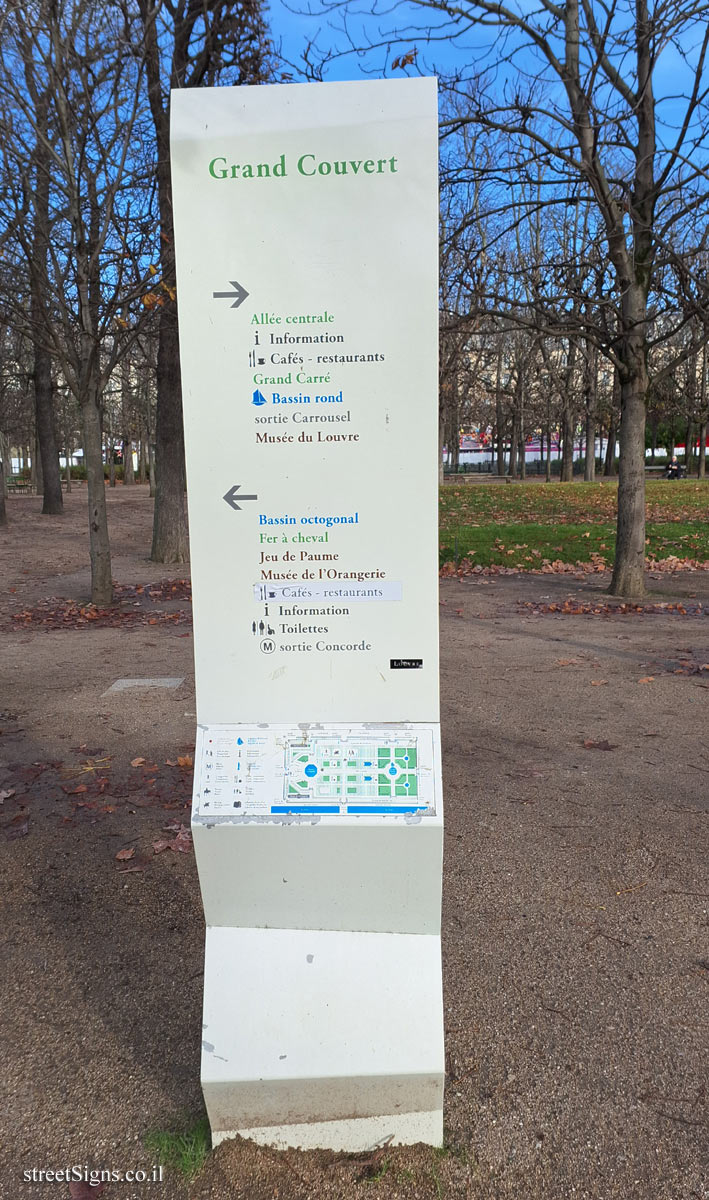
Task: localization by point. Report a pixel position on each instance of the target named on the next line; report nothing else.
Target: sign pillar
(306, 226)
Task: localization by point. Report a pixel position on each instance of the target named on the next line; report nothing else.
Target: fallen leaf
(181, 843)
(599, 682)
(18, 831)
(604, 745)
(185, 761)
(138, 762)
(124, 855)
(170, 762)
(647, 679)
(5, 794)
(129, 870)
(75, 791)
(85, 1191)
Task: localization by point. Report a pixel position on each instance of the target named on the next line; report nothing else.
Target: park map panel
(281, 770)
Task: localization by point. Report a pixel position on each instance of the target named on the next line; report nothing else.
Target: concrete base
(322, 1038)
(350, 875)
(354, 1136)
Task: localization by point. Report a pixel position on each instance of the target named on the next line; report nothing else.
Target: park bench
(16, 484)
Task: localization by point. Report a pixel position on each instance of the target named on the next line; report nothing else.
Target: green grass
(185, 1152)
(524, 525)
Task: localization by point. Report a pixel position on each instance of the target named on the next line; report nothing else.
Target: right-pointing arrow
(238, 295)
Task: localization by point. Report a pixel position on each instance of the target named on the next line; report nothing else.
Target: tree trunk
(67, 457)
(170, 535)
(48, 459)
(37, 467)
(609, 464)
(589, 471)
(3, 506)
(127, 407)
(498, 413)
(567, 450)
(151, 467)
(454, 426)
(522, 441)
(701, 469)
(170, 538)
(689, 447)
(99, 548)
(142, 459)
(52, 503)
(128, 472)
(514, 444)
(5, 463)
(629, 567)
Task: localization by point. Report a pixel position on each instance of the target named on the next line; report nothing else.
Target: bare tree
(574, 86)
(186, 44)
(52, 502)
(80, 103)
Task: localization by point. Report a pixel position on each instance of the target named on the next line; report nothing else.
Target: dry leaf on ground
(18, 831)
(85, 1191)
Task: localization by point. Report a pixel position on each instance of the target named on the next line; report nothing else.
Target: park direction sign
(306, 244)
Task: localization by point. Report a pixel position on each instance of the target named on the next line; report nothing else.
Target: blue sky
(292, 30)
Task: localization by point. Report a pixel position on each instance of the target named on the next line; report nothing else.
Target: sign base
(354, 1136)
(323, 1039)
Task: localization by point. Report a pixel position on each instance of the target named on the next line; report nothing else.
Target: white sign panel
(306, 236)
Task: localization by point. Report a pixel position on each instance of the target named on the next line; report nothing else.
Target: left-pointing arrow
(231, 497)
(238, 295)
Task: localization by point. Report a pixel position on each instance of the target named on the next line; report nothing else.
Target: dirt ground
(576, 889)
